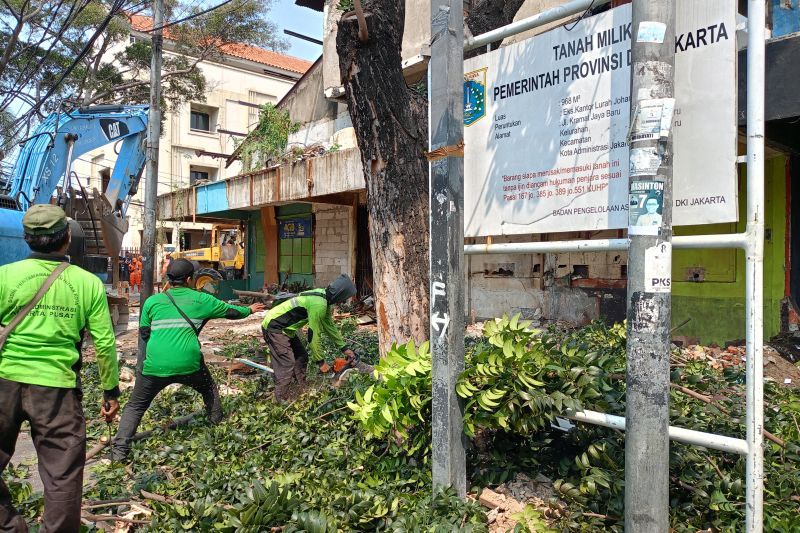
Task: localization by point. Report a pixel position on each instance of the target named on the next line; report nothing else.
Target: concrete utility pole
(151, 166)
(446, 135)
(649, 268)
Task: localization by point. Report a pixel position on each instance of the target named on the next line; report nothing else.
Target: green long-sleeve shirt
(44, 349)
(307, 308)
(172, 345)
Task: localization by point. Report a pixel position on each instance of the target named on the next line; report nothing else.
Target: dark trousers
(58, 431)
(289, 361)
(147, 388)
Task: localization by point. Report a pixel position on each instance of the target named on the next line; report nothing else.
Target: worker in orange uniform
(136, 274)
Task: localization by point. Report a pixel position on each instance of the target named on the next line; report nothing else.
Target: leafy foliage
(519, 380)
(22, 495)
(268, 139)
(307, 467)
(355, 458)
(398, 408)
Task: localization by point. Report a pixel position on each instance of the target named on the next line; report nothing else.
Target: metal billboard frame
(751, 241)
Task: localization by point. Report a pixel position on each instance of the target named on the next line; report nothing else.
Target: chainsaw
(342, 366)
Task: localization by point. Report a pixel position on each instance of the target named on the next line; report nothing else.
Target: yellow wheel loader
(224, 259)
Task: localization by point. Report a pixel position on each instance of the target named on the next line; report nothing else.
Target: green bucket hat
(44, 219)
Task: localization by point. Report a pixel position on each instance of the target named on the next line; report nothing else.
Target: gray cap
(340, 290)
(180, 269)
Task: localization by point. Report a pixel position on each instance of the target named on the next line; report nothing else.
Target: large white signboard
(546, 123)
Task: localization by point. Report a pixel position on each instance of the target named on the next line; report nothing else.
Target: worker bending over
(45, 307)
(280, 326)
(170, 324)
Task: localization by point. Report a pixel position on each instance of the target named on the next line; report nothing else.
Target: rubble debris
(527, 490)
(510, 498)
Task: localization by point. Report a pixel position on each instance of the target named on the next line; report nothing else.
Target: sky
(301, 20)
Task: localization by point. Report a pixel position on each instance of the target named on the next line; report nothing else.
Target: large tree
(43, 38)
(390, 120)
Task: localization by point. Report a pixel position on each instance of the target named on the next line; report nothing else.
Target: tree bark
(390, 122)
(391, 125)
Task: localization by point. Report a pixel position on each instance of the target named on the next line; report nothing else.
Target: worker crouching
(169, 325)
(46, 304)
(282, 322)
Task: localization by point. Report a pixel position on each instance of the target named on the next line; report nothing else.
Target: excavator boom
(43, 165)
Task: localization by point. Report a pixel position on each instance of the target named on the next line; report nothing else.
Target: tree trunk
(391, 125)
(390, 122)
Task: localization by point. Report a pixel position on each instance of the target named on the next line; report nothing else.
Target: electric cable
(115, 8)
(190, 17)
(591, 5)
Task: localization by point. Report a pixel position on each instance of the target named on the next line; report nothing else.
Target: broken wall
(568, 287)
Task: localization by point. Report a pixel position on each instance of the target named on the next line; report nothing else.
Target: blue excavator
(42, 174)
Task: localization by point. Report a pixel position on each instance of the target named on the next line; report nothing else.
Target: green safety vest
(44, 349)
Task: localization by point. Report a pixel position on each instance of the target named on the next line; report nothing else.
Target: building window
(296, 248)
(200, 174)
(200, 121)
(197, 175)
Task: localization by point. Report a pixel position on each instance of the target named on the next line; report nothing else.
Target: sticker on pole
(646, 206)
(653, 119)
(658, 268)
(644, 162)
(651, 32)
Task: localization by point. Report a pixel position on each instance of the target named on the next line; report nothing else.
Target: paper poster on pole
(547, 122)
(646, 201)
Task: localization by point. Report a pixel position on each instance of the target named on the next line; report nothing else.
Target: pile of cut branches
(357, 458)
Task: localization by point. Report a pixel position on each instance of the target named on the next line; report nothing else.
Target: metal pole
(649, 274)
(446, 135)
(685, 242)
(754, 270)
(678, 434)
(151, 165)
(553, 14)
(148, 249)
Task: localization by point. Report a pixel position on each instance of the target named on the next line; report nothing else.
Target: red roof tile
(240, 50)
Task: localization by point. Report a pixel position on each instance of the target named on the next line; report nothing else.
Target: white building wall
(227, 85)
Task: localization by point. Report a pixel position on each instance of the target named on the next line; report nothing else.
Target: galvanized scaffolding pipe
(545, 17)
(733, 240)
(754, 269)
(686, 436)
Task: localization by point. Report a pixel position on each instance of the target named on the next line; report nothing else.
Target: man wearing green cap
(40, 364)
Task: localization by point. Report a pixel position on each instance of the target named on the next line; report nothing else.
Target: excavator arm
(45, 159)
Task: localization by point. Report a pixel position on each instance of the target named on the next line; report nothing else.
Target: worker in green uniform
(40, 363)
(280, 326)
(169, 325)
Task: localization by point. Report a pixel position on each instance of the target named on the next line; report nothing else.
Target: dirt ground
(776, 368)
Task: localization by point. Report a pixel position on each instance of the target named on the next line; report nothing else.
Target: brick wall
(333, 243)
